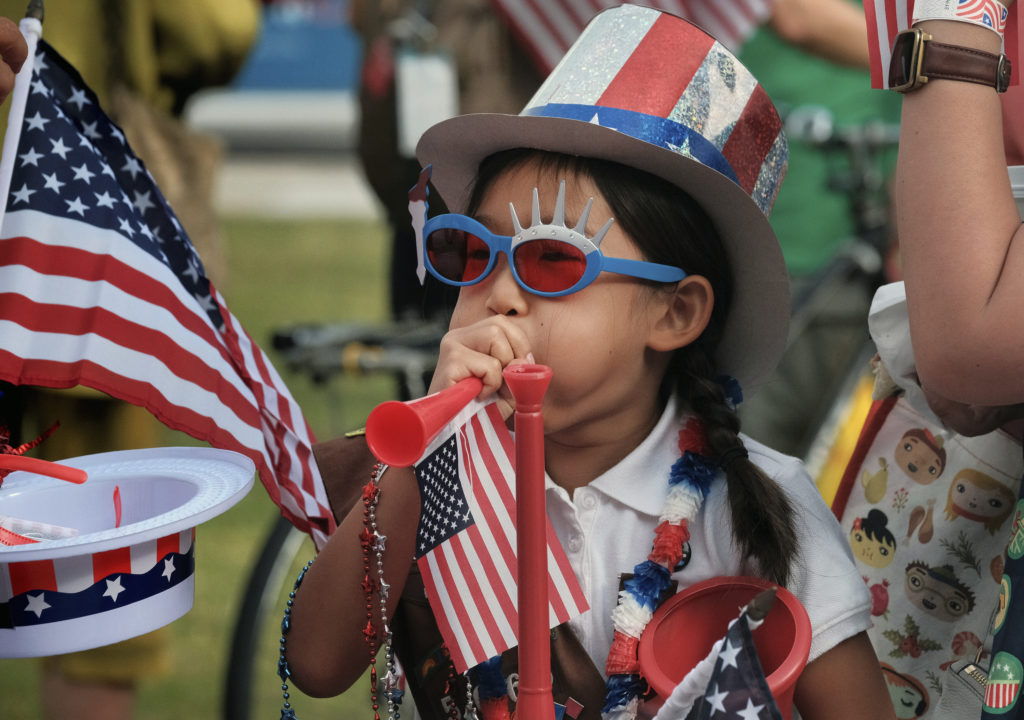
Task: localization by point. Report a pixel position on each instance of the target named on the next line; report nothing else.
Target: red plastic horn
(398, 432)
(528, 384)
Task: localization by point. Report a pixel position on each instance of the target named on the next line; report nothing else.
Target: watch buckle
(914, 78)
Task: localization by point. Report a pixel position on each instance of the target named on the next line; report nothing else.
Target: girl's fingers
(483, 350)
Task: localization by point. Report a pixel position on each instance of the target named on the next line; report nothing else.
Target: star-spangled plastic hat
(652, 91)
(114, 555)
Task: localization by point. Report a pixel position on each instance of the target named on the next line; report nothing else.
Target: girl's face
(595, 340)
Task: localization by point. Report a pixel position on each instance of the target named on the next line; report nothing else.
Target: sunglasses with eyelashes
(546, 259)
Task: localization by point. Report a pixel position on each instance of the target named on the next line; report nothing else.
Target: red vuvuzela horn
(398, 432)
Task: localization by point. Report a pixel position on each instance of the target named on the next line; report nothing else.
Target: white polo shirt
(608, 527)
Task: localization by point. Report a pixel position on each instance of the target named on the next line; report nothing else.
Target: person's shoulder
(774, 463)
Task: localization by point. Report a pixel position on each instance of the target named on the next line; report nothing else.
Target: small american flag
(466, 541)
(547, 28)
(885, 18)
(100, 286)
(738, 687)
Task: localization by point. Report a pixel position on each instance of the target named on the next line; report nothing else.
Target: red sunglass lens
(549, 265)
(457, 255)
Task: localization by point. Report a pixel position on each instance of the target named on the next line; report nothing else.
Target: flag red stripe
(70, 320)
(92, 267)
(726, 21)
(475, 648)
(663, 64)
(475, 595)
(489, 513)
(430, 582)
(499, 549)
(540, 54)
(50, 373)
(111, 562)
(555, 603)
(892, 23)
(32, 575)
(492, 466)
(563, 36)
(299, 459)
(494, 580)
(565, 570)
(504, 438)
(874, 50)
(750, 141)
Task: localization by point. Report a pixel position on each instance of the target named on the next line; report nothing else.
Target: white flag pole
(32, 29)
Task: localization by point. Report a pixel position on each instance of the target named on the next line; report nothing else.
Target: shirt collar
(640, 480)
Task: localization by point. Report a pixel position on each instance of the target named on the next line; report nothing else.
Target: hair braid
(762, 516)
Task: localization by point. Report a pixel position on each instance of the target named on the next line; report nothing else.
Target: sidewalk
(297, 185)
(289, 153)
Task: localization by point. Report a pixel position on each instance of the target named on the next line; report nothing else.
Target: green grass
(280, 273)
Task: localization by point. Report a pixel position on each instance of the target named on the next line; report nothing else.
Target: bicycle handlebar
(406, 349)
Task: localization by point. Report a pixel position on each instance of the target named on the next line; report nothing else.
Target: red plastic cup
(687, 625)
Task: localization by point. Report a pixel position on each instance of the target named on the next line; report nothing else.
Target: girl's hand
(482, 350)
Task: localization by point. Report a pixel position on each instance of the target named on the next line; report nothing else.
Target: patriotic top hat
(113, 557)
(652, 91)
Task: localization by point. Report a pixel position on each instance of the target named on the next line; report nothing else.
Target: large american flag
(466, 541)
(100, 286)
(885, 18)
(547, 28)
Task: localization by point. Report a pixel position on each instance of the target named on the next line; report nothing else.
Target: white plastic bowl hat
(652, 91)
(119, 560)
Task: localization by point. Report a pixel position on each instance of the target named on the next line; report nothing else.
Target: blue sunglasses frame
(596, 261)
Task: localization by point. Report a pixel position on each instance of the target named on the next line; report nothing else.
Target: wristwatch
(916, 58)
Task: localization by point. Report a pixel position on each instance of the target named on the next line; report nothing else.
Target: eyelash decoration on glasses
(557, 225)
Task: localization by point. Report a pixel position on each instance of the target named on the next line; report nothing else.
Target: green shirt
(810, 219)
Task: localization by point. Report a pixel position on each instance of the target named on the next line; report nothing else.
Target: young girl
(637, 263)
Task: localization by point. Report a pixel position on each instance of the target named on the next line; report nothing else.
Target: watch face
(906, 56)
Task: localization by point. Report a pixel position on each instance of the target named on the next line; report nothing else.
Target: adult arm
(957, 223)
(831, 29)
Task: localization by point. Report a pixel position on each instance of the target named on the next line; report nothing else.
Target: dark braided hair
(669, 227)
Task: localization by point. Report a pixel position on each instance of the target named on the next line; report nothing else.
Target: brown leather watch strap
(953, 62)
